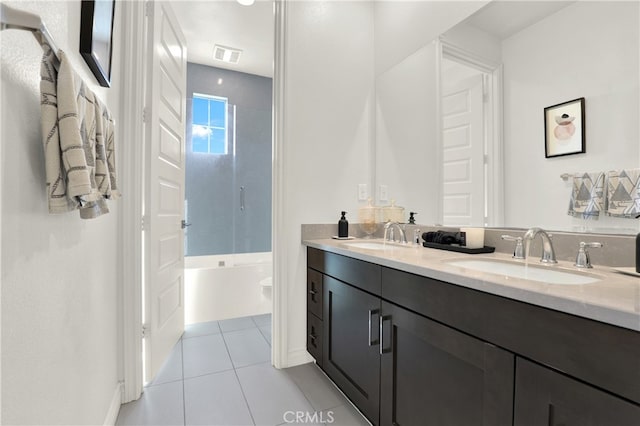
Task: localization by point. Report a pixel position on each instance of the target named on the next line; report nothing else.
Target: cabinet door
(434, 375)
(350, 347)
(545, 397)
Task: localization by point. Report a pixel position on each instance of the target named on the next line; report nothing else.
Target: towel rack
(14, 19)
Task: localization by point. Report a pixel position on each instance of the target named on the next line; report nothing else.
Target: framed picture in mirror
(96, 37)
(564, 129)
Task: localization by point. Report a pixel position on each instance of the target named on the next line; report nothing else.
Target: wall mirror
(460, 123)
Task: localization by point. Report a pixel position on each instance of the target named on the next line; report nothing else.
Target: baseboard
(298, 357)
(114, 407)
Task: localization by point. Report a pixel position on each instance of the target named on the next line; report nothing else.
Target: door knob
(184, 224)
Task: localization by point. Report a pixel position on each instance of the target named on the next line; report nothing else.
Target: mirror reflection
(460, 132)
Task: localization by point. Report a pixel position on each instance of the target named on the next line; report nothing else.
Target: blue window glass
(209, 133)
(217, 113)
(200, 111)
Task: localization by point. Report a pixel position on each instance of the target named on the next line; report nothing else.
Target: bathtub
(227, 286)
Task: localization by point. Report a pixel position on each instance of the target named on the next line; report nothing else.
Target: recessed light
(246, 2)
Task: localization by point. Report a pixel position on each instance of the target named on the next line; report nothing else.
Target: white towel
(78, 134)
(623, 193)
(587, 195)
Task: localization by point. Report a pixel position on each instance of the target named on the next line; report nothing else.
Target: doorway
(470, 138)
(133, 256)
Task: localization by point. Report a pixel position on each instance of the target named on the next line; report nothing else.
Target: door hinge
(145, 331)
(143, 223)
(486, 159)
(148, 8)
(145, 114)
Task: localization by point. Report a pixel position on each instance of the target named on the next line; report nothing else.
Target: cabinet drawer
(314, 337)
(314, 292)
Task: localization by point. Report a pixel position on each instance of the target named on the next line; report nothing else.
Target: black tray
(460, 249)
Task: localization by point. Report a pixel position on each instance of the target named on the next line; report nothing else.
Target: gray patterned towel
(587, 195)
(623, 193)
(78, 141)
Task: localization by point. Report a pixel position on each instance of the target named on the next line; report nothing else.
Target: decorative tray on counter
(460, 249)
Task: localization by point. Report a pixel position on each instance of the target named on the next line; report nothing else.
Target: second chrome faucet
(548, 254)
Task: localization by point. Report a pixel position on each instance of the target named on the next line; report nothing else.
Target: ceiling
(227, 23)
(251, 28)
(502, 19)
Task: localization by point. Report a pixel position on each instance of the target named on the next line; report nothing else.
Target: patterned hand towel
(623, 193)
(59, 199)
(78, 137)
(587, 196)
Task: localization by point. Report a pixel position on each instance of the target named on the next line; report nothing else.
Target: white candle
(474, 237)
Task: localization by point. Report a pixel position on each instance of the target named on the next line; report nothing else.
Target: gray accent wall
(218, 225)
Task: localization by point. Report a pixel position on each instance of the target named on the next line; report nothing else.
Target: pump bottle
(343, 226)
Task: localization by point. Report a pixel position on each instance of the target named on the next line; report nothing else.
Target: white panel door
(463, 153)
(165, 176)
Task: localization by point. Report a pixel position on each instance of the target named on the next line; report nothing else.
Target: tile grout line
(264, 337)
(238, 378)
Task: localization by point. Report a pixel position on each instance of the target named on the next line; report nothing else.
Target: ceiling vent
(226, 54)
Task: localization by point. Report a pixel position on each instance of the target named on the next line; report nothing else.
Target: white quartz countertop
(614, 299)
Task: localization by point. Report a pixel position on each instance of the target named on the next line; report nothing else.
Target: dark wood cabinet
(546, 397)
(410, 350)
(434, 375)
(351, 357)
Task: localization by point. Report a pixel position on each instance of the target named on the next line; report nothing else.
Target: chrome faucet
(548, 255)
(389, 232)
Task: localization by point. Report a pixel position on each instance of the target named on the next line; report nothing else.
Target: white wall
(403, 27)
(59, 273)
(590, 50)
(328, 131)
(406, 134)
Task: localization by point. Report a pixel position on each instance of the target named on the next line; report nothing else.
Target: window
(209, 125)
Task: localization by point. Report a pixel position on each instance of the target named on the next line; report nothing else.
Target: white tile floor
(220, 373)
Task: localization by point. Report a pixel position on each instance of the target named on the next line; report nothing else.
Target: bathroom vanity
(412, 339)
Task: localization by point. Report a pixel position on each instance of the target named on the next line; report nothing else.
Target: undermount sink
(375, 245)
(548, 275)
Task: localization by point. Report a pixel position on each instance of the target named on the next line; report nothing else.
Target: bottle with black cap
(343, 226)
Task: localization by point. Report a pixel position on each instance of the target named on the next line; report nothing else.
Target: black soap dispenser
(343, 227)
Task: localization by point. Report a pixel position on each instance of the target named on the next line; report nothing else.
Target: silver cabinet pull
(383, 318)
(242, 189)
(372, 312)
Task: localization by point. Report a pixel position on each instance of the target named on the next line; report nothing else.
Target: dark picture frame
(96, 37)
(564, 126)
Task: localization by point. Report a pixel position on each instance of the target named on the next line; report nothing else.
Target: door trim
(280, 311)
(493, 123)
(132, 172)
